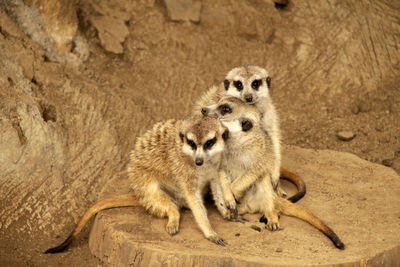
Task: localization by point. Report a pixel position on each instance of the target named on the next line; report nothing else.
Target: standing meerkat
(252, 85)
(247, 166)
(170, 167)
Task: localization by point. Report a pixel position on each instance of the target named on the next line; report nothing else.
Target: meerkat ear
(226, 84)
(268, 81)
(246, 125)
(181, 136)
(225, 135)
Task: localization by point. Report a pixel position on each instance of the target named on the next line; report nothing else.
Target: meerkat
(247, 167)
(252, 85)
(170, 167)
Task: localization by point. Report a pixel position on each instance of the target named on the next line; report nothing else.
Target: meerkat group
(231, 145)
(246, 168)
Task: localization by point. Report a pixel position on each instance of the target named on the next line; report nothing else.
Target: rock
(279, 250)
(59, 20)
(112, 32)
(46, 168)
(130, 236)
(53, 25)
(183, 10)
(345, 135)
(256, 228)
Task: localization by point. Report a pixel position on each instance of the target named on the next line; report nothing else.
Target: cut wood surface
(359, 200)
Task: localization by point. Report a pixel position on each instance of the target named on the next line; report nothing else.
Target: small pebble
(255, 227)
(279, 250)
(237, 234)
(345, 135)
(355, 109)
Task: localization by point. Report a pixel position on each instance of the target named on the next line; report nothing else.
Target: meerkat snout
(204, 111)
(248, 98)
(199, 161)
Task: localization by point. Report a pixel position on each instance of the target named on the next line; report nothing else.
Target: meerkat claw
(233, 210)
(272, 227)
(217, 240)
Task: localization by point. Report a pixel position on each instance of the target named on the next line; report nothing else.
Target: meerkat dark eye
(209, 144)
(256, 84)
(268, 82)
(238, 85)
(192, 144)
(224, 109)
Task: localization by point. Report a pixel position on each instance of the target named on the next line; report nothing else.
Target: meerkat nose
(204, 111)
(248, 98)
(199, 161)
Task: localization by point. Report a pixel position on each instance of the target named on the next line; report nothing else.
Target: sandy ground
(325, 78)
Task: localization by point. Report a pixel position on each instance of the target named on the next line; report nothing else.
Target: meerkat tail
(127, 200)
(295, 210)
(297, 181)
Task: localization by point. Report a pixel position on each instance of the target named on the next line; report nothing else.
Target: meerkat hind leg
(160, 204)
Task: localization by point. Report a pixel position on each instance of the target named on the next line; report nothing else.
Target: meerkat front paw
(232, 212)
(172, 227)
(273, 226)
(230, 202)
(271, 222)
(217, 240)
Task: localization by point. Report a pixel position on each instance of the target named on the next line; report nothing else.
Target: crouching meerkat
(252, 85)
(171, 167)
(248, 165)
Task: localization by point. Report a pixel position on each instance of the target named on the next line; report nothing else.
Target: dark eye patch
(225, 135)
(246, 125)
(226, 84)
(268, 82)
(224, 109)
(191, 144)
(256, 84)
(238, 85)
(209, 144)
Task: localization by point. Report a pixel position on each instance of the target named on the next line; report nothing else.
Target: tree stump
(359, 200)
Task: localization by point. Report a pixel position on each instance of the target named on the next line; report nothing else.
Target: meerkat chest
(204, 175)
(237, 162)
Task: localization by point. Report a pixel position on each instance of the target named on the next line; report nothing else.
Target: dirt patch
(69, 120)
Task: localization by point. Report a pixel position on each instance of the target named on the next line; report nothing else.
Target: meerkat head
(234, 114)
(203, 139)
(249, 83)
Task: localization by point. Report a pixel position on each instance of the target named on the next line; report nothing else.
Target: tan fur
(166, 173)
(247, 165)
(165, 178)
(260, 98)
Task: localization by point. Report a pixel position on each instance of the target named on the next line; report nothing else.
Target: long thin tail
(295, 210)
(296, 180)
(127, 200)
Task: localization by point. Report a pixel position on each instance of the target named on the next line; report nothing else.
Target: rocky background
(80, 80)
